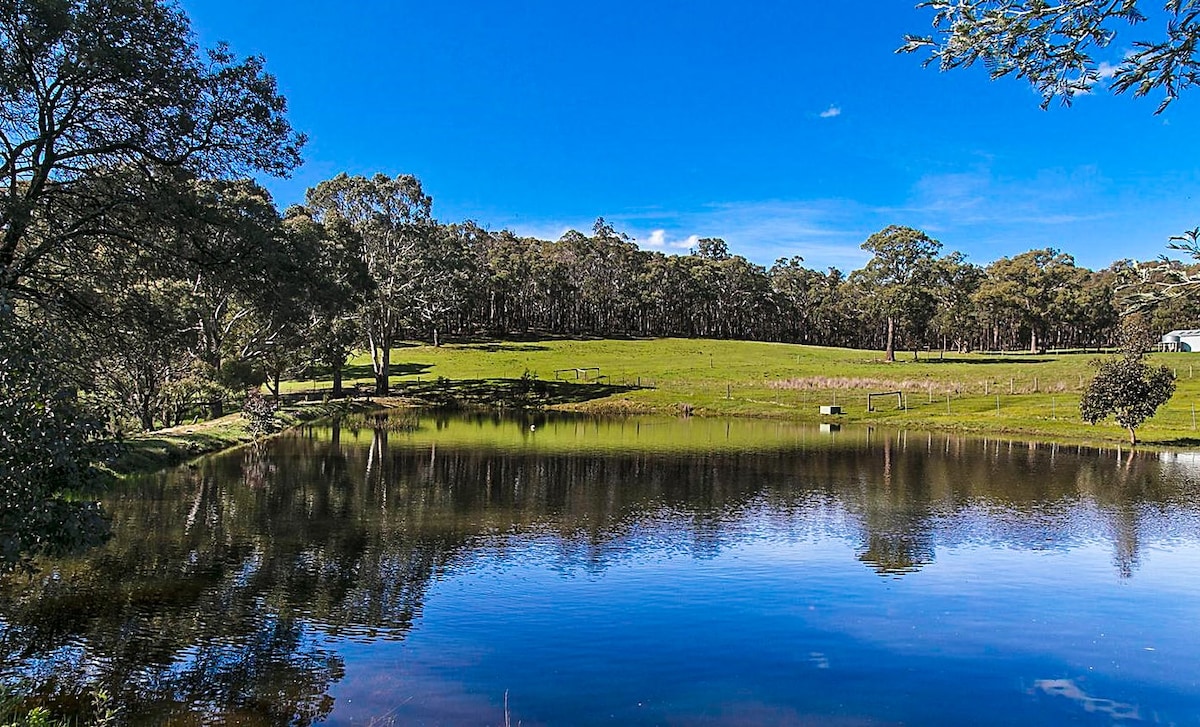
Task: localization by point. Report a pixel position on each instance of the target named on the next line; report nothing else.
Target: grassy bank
(166, 447)
(1000, 393)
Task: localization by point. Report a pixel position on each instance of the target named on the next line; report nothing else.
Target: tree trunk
(891, 340)
(337, 381)
(1132, 437)
(436, 341)
(383, 370)
(1033, 340)
(276, 387)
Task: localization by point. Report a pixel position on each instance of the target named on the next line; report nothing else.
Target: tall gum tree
(392, 217)
(1036, 288)
(898, 277)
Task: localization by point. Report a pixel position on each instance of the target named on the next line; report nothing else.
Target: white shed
(1181, 341)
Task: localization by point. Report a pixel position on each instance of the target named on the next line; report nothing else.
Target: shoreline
(150, 452)
(153, 451)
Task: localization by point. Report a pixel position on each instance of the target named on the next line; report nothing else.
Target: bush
(50, 446)
(260, 412)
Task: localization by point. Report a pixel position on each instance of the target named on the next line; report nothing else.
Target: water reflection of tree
(219, 596)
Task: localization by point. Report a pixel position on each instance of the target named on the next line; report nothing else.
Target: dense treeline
(141, 266)
(234, 294)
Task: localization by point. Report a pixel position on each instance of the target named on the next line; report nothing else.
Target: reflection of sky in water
(640, 572)
(783, 628)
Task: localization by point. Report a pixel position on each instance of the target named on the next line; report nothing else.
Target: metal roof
(1191, 332)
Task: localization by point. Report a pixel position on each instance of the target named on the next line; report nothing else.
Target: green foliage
(104, 102)
(392, 220)
(1032, 291)
(49, 446)
(899, 278)
(260, 413)
(1128, 389)
(1054, 45)
(101, 712)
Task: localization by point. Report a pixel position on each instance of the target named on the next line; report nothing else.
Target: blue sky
(787, 128)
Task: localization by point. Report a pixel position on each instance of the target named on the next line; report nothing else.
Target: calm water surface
(420, 569)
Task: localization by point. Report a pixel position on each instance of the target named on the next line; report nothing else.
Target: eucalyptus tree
(392, 216)
(244, 279)
(812, 303)
(1058, 46)
(506, 300)
(1032, 290)
(669, 299)
(898, 278)
(601, 270)
(338, 287)
(145, 352)
(446, 270)
(116, 89)
(957, 317)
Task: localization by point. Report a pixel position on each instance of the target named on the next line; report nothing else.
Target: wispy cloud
(831, 112)
(976, 210)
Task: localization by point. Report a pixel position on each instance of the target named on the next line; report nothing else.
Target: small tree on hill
(1126, 387)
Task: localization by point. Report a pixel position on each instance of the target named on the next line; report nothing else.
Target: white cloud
(659, 241)
(1106, 70)
(831, 112)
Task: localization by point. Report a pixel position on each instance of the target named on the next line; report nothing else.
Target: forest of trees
(364, 265)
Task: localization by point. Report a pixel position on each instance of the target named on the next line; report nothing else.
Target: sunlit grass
(1018, 393)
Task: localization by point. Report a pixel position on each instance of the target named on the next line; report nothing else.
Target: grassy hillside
(1019, 393)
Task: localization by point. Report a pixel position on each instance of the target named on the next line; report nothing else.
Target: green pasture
(984, 392)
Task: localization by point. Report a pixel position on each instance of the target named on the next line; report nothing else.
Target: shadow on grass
(497, 347)
(364, 371)
(505, 393)
(1017, 359)
(1191, 442)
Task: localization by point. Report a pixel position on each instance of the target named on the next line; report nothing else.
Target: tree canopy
(899, 277)
(104, 100)
(1056, 46)
(1126, 387)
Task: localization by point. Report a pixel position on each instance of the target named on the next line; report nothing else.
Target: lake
(415, 568)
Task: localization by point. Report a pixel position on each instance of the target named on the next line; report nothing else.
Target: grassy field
(1010, 393)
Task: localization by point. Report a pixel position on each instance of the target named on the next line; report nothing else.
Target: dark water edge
(415, 568)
